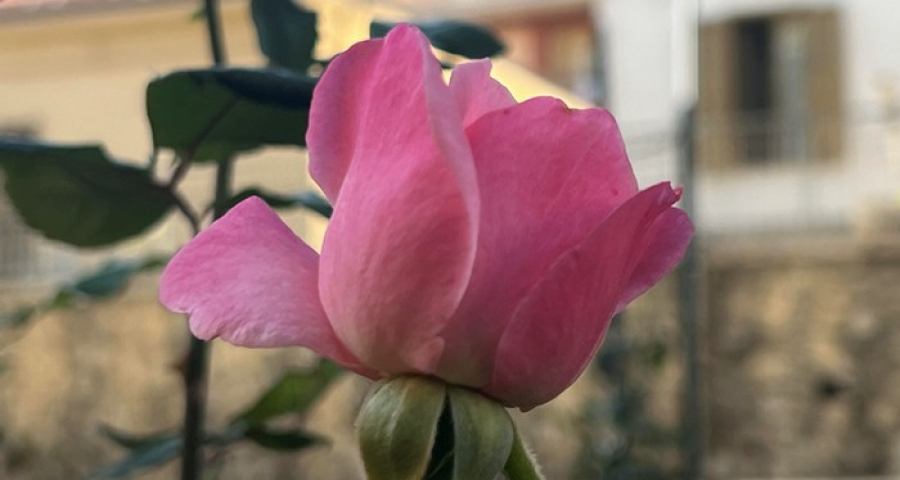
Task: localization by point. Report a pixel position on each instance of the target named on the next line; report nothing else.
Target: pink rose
(475, 239)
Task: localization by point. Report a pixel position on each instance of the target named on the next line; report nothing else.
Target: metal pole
(688, 311)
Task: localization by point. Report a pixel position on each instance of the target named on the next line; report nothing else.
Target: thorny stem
(196, 370)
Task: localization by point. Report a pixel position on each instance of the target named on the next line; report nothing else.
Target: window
(770, 90)
(755, 102)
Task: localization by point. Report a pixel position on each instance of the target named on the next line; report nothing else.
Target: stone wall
(800, 360)
(800, 375)
(803, 344)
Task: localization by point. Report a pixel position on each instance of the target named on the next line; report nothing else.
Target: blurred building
(797, 103)
(796, 180)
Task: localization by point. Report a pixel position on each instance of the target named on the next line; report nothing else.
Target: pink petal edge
(560, 325)
(548, 175)
(665, 246)
(250, 281)
(476, 92)
(335, 116)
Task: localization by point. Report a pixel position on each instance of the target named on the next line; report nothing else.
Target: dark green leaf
(134, 442)
(316, 203)
(78, 195)
(286, 440)
(294, 393)
(212, 114)
(286, 32)
(112, 277)
(152, 454)
(460, 38)
(309, 200)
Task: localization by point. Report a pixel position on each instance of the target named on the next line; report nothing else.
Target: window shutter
(717, 103)
(825, 107)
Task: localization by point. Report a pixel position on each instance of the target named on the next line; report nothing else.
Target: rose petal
(476, 92)
(336, 115)
(249, 280)
(558, 328)
(667, 241)
(547, 175)
(398, 252)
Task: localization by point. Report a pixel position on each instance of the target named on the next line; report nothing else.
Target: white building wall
(641, 69)
(651, 67)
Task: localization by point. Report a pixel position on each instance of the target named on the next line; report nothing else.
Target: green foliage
(156, 450)
(212, 114)
(110, 279)
(452, 36)
(286, 32)
(133, 442)
(150, 452)
(294, 393)
(282, 440)
(78, 195)
(113, 277)
(308, 200)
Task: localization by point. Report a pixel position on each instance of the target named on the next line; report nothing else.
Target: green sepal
(483, 435)
(521, 464)
(398, 425)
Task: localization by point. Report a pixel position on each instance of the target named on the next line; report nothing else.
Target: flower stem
(196, 369)
(195, 387)
(214, 30)
(521, 464)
